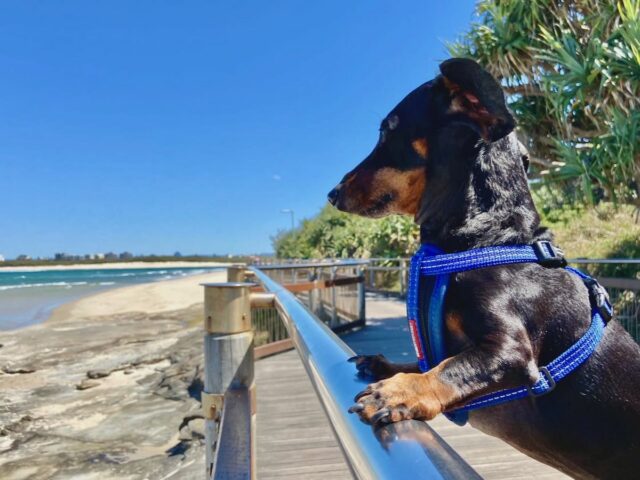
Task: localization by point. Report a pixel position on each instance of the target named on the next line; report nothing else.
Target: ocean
(27, 298)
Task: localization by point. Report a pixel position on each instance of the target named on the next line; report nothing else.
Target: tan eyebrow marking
(421, 147)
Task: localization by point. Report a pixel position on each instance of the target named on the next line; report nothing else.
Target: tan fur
(467, 103)
(454, 324)
(407, 187)
(411, 395)
(421, 147)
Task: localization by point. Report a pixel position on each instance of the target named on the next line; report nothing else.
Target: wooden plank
(272, 348)
(294, 436)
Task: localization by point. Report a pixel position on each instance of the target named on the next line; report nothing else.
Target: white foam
(35, 285)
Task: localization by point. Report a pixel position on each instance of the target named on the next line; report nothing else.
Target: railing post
(403, 276)
(228, 359)
(236, 273)
(334, 308)
(313, 276)
(361, 296)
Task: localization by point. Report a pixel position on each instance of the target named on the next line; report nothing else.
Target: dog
(448, 155)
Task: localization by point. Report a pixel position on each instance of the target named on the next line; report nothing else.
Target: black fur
(513, 318)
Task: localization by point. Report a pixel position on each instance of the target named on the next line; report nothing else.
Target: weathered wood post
(228, 359)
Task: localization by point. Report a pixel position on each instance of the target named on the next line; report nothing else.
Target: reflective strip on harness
(415, 336)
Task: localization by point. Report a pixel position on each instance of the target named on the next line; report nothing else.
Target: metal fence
(333, 291)
(624, 292)
(389, 275)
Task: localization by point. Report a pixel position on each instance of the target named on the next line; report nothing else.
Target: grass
(603, 232)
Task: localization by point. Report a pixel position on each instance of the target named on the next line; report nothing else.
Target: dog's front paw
(402, 397)
(376, 367)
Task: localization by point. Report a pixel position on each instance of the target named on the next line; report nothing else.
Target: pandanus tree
(571, 70)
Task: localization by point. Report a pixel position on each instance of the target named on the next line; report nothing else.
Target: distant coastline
(112, 266)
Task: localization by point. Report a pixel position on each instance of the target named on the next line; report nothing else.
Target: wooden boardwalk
(296, 441)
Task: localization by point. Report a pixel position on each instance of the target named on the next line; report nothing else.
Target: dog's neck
(478, 196)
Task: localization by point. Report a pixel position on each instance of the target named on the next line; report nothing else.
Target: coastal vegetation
(571, 72)
(605, 231)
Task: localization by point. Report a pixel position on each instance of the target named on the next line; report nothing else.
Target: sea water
(30, 297)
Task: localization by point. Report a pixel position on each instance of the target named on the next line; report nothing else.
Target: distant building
(177, 254)
(110, 256)
(126, 256)
(1, 258)
(23, 257)
(99, 256)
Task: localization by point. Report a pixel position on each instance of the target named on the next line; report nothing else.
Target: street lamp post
(289, 211)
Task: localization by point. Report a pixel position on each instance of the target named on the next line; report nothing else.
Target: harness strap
(541, 252)
(430, 261)
(549, 375)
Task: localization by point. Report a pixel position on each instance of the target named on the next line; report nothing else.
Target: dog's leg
(455, 381)
(377, 367)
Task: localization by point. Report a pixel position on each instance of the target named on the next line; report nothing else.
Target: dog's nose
(333, 196)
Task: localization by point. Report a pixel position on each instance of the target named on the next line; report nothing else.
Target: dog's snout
(333, 195)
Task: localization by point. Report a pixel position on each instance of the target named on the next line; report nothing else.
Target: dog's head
(465, 101)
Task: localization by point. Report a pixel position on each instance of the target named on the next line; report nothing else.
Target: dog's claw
(357, 408)
(364, 392)
(380, 415)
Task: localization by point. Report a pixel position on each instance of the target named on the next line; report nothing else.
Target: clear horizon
(151, 127)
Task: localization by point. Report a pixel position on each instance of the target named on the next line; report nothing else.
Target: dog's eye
(392, 122)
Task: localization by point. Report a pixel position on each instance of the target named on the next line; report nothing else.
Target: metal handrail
(408, 449)
(313, 264)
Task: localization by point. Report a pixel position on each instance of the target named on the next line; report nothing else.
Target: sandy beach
(108, 387)
(146, 298)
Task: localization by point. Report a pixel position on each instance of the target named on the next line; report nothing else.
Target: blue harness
(428, 334)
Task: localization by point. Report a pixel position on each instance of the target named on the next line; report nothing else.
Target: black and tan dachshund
(447, 155)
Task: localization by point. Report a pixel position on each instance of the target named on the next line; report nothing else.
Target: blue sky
(156, 126)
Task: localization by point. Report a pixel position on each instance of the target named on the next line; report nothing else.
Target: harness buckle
(552, 383)
(599, 299)
(548, 255)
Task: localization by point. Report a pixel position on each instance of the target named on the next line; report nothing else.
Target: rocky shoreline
(108, 397)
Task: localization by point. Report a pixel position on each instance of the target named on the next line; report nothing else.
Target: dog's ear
(478, 96)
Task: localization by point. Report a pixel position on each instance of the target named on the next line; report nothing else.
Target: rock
(108, 433)
(85, 384)
(15, 370)
(197, 428)
(98, 373)
(185, 433)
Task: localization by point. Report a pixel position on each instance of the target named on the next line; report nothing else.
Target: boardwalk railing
(389, 275)
(406, 449)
